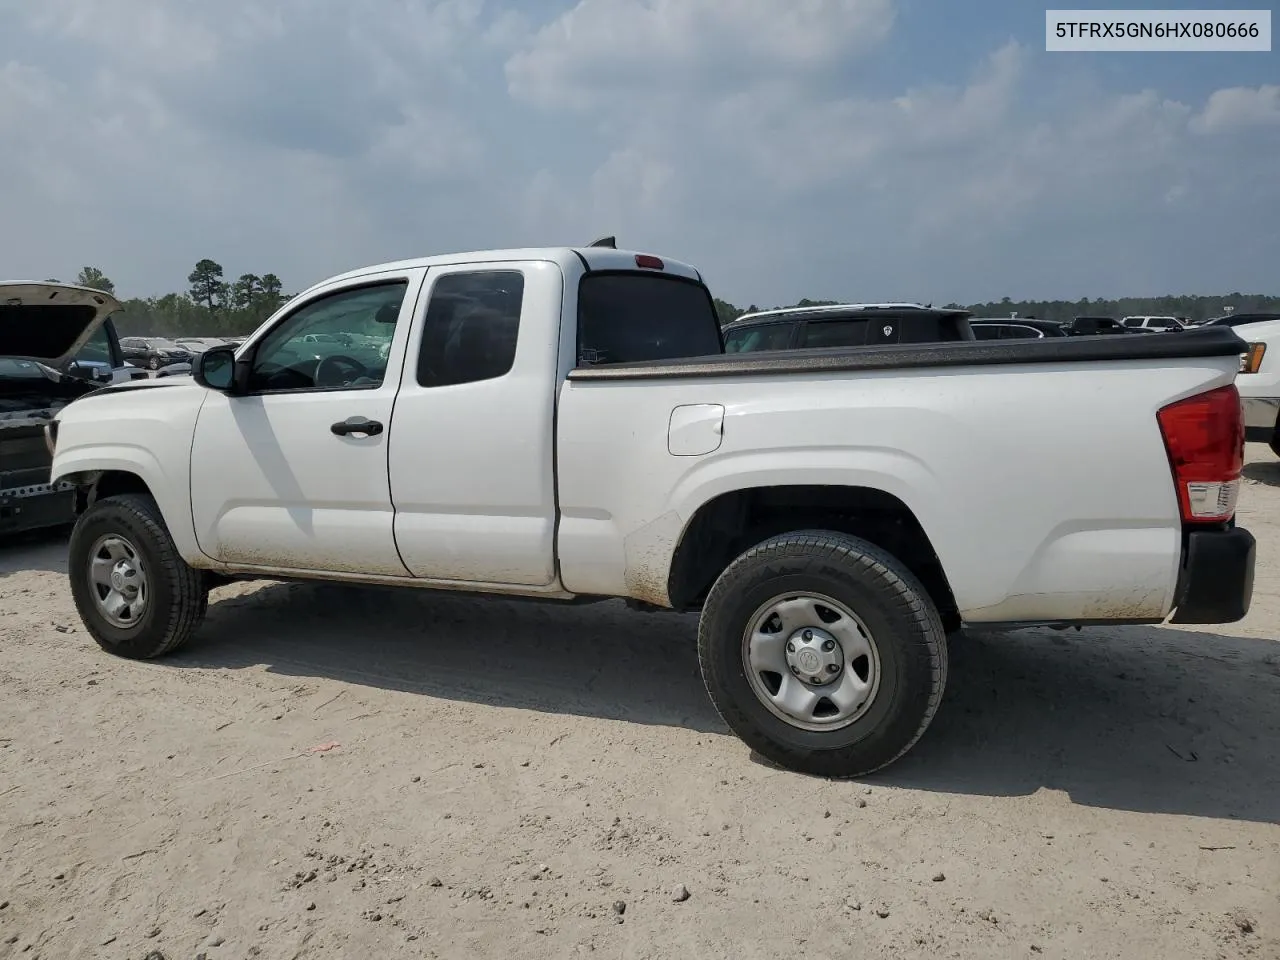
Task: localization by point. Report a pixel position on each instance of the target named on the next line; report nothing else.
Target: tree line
(212, 306)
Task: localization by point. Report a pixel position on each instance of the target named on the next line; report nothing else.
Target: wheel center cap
(122, 577)
(815, 656)
(808, 661)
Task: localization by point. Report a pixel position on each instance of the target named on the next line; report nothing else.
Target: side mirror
(216, 369)
(88, 371)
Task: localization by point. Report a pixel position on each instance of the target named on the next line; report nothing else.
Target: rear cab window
(472, 327)
(633, 316)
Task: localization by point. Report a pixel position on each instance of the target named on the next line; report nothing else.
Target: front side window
(771, 336)
(340, 341)
(471, 328)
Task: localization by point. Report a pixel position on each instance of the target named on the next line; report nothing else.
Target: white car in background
(1259, 381)
(1153, 323)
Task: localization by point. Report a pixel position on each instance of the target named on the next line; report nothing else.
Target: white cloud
(288, 141)
(935, 191)
(600, 48)
(1238, 107)
(787, 149)
(157, 34)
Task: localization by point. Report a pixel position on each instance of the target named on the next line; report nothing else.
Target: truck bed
(1036, 469)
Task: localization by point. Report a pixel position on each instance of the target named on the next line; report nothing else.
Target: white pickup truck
(564, 424)
(1259, 381)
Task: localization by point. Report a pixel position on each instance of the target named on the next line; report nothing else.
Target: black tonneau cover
(1196, 342)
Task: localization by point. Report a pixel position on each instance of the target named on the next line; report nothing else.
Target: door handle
(344, 428)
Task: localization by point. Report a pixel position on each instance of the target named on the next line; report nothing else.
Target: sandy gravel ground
(512, 780)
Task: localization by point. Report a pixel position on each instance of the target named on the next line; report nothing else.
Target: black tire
(880, 591)
(177, 594)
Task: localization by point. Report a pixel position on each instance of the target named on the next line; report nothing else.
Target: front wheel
(135, 594)
(823, 653)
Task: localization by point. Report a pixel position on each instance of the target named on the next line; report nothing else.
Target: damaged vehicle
(56, 344)
(565, 424)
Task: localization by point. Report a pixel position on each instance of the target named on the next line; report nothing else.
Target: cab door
(472, 458)
(292, 473)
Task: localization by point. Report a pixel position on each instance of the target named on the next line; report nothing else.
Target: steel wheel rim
(118, 581)
(795, 639)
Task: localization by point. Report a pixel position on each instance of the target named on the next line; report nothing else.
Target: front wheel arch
(95, 485)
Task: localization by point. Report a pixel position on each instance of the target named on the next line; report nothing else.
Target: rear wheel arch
(731, 523)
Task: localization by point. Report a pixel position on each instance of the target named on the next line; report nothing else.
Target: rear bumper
(1215, 581)
(1260, 415)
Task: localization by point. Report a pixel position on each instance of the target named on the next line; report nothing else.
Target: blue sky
(852, 149)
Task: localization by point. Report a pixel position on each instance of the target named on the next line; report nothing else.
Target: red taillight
(649, 262)
(1204, 436)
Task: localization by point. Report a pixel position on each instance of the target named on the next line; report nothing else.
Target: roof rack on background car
(818, 308)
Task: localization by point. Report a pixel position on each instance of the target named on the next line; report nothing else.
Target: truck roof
(590, 258)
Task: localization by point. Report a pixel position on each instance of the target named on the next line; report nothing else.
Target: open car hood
(49, 322)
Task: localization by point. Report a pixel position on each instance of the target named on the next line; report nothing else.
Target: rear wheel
(823, 653)
(134, 592)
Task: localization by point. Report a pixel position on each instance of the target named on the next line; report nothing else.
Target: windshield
(12, 369)
(631, 317)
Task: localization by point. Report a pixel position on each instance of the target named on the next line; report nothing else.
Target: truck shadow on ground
(42, 550)
(596, 660)
(1263, 472)
(1155, 720)
(1129, 718)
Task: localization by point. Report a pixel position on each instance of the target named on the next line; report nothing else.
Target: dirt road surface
(514, 780)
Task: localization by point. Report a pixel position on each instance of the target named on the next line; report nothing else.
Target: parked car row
(881, 324)
(156, 353)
